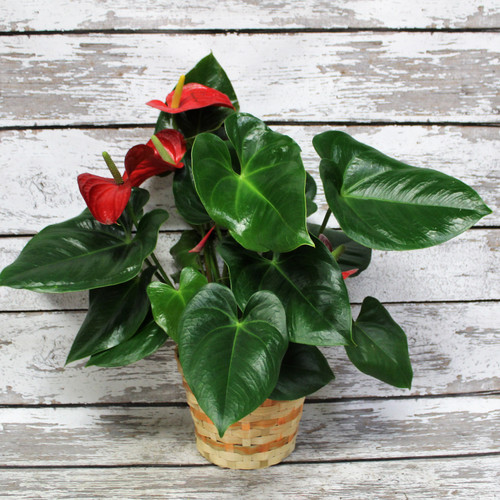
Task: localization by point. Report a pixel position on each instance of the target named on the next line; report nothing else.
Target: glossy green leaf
(308, 282)
(115, 314)
(186, 198)
(353, 255)
(231, 364)
(311, 190)
(304, 370)
(381, 346)
(208, 72)
(264, 206)
(169, 303)
(385, 204)
(82, 254)
(144, 343)
(180, 251)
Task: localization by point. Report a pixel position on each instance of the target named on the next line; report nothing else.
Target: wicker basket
(264, 437)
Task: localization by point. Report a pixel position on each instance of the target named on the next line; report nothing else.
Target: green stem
(208, 271)
(157, 274)
(225, 275)
(209, 252)
(325, 221)
(161, 270)
(215, 263)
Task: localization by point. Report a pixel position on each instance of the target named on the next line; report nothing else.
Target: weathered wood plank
(348, 430)
(459, 478)
(346, 77)
(465, 268)
(240, 14)
(45, 188)
(454, 348)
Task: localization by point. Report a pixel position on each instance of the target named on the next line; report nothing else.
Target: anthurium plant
(257, 287)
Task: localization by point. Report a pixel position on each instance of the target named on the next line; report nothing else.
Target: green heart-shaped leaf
(81, 254)
(263, 206)
(381, 347)
(304, 370)
(353, 254)
(115, 314)
(168, 303)
(210, 73)
(385, 204)
(231, 364)
(144, 343)
(308, 282)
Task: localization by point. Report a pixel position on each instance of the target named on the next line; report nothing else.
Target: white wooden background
(418, 80)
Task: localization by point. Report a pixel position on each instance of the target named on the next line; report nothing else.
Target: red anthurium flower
(144, 160)
(199, 247)
(194, 96)
(105, 198)
(346, 274)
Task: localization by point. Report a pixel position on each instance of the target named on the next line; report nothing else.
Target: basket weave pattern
(264, 437)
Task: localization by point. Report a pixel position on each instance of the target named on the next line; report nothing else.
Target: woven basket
(264, 437)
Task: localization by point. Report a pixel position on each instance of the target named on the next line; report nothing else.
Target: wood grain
(346, 430)
(443, 273)
(97, 79)
(45, 191)
(459, 478)
(242, 14)
(454, 348)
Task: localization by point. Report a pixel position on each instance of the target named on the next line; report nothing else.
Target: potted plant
(258, 289)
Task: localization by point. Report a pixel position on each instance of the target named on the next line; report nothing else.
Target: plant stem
(157, 274)
(211, 260)
(208, 272)
(206, 262)
(225, 275)
(215, 263)
(161, 270)
(325, 221)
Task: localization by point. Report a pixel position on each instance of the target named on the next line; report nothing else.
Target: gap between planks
(307, 402)
(270, 123)
(289, 462)
(385, 302)
(177, 232)
(246, 31)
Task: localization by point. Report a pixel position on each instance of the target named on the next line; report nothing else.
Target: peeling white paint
(233, 14)
(363, 76)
